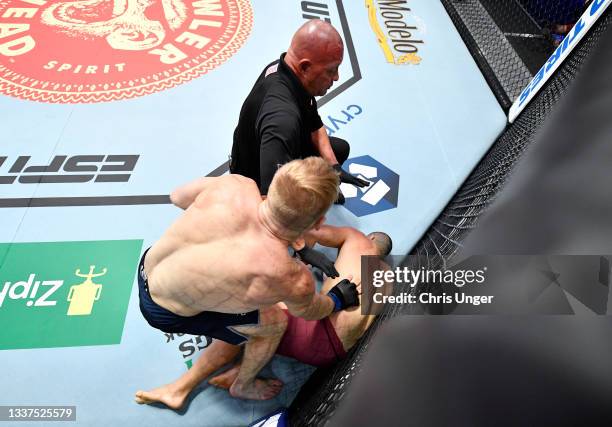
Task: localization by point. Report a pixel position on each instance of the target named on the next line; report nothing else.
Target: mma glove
(319, 260)
(344, 295)
(348, 178)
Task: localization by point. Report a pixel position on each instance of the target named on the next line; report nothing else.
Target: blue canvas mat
(417, 122)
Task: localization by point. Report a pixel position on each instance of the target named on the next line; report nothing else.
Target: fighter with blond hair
(222, 268)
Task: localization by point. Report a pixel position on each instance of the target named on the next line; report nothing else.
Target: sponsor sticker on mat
(83, 51)
(63, 294)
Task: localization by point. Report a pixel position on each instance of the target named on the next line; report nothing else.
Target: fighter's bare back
(219, 257)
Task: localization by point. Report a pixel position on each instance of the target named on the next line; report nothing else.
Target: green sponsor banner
(63, 294)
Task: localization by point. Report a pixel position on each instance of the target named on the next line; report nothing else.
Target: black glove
(319, 260)
(348, 178)
(344, 295)
(340, 200)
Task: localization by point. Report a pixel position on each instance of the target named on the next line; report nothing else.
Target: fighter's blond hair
(301, 192)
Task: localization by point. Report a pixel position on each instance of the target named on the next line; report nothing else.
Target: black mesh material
(320, 396)
(511, 39)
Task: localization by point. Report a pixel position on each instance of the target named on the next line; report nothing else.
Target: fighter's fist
(344, 295)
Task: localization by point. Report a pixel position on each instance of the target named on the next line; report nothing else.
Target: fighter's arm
(303, 300)
(320, 140)
(186, 194)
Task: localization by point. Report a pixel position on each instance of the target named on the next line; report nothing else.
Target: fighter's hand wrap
(344, 295)
(348, 178)
(319, 260)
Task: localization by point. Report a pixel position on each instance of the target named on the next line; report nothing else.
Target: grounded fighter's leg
(259, 349)
(173, 395)
(227, 378)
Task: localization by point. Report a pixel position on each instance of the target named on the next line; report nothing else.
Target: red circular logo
(80, 51)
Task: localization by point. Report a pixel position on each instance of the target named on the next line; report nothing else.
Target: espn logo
(73, 169)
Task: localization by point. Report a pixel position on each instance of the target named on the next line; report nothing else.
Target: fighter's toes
(273, 389)
(225, 379)
(140, 397)
(161, 395)
(275, 383)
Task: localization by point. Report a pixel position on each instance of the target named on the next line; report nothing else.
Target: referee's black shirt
(275, 125)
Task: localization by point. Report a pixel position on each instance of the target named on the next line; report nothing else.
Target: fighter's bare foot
(258, 390)
(225, 379)
(167, 394)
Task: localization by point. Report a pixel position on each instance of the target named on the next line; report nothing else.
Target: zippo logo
(75, 51)
(79, 169)
(380, 195)
(48, 300)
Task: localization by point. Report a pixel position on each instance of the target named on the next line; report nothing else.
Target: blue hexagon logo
(379, 196)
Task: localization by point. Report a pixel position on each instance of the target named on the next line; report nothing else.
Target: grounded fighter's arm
(329, 235)
(320, 140)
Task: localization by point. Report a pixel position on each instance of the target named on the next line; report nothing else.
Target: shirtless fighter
(323, 342)
(223, 266)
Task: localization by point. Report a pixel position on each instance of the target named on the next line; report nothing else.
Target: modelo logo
(82, 51)
(400, 41)
(80, 169)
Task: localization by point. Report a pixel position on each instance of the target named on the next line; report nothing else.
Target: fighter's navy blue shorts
(209, 323)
